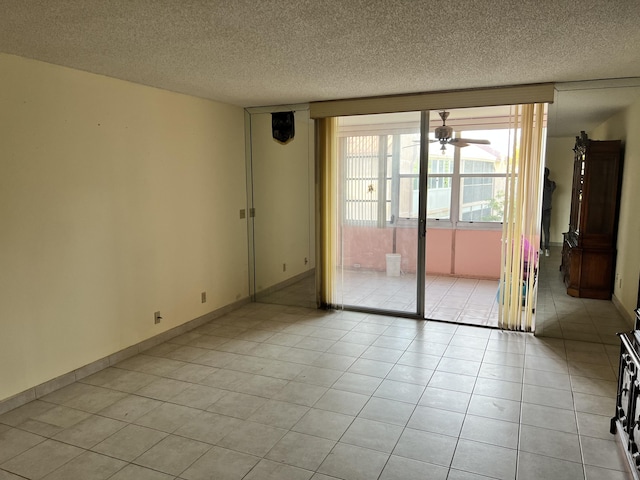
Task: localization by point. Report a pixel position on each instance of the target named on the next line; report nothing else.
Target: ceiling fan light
(444, 132)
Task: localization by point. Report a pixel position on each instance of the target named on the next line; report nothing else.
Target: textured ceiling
(274, 52)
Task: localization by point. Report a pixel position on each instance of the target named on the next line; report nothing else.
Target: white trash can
(393, 264)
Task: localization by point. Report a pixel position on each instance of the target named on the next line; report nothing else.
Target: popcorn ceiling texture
(272, 52)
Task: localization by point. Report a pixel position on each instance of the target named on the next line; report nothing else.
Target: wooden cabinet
(589, 247)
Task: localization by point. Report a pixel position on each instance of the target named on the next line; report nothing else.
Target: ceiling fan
(444, 135)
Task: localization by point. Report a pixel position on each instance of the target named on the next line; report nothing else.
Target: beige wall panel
(116, 200)
(625, 126)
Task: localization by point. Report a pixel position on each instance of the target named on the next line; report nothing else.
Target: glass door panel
(377, 265)
(465, 190)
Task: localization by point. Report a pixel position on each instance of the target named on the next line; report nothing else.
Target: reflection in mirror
(283, 241)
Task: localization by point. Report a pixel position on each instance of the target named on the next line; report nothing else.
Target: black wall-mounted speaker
(283, 126)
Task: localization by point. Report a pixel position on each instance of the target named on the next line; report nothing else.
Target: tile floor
(301, 293)
(463, 300)
(560, 316)
(277, 392)
(473, 302)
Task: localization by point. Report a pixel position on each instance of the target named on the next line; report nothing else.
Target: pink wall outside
(478, 253)
(439, 251)
(365, 247)
(475, 253)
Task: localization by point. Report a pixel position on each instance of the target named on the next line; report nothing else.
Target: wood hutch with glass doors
(589, 247)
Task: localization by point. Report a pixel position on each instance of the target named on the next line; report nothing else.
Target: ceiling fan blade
(467, 141)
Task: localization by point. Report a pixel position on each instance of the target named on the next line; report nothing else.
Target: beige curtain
(327, 153)
(521, 228)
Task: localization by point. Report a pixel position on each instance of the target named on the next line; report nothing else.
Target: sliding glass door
(421, 209)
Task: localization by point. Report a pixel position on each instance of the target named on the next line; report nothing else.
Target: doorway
(420, 222)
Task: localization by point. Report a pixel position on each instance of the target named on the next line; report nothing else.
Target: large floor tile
(551, 443)
(491, 431)
(253, 438)
(301, 450)
(591, 425)
(130, 408)
(349, 462)
(239, 405)
(549, 417)
(14, 442)
(87, 466)
(301, 393)
(426, 447)
(340, 401)
(323, 423)
(445, 399)
(130, 442)
(167, 417)
(401, 468)
(492, 407)
(41, 459)
(485, 459)
(268, 470)
(409, 374)
(401, 391)
(54, 421)
(172, 455)
(356, 383)
(373, 435)
(324, 377)
(90, 431)
(535, 467)
(209, 427)
(221, 463)
(279, 414)
(498, 388)
(452, 381)
(551, 397)
(136, 472)
(602, 453)
(597, 473)
(436, 420)
(388, 411)
(595, 404)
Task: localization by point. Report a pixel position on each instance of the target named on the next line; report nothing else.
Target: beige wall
(283, 198)
(559, 160)
(116, 200)
(625, 126)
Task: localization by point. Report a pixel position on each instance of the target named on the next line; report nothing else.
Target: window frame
(388, 196)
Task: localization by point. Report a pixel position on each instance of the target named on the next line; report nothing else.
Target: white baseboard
(630, 317)
(54, 384)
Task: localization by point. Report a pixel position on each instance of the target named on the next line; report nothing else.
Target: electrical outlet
(203, 297)
(284, 267)
(157, 317)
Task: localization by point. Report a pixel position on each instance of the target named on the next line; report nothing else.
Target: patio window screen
(365, 182)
